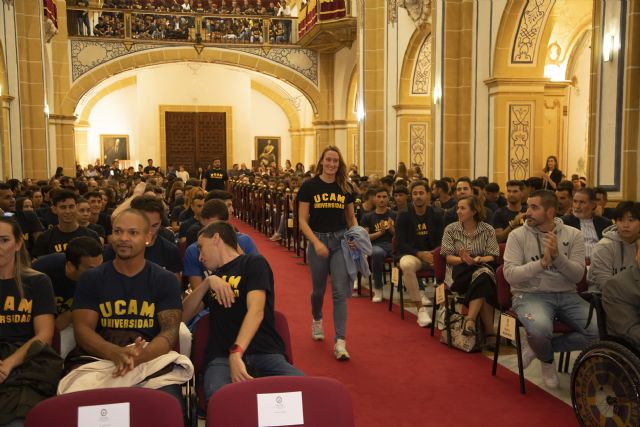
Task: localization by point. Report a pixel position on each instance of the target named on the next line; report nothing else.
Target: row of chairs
(151, 407)
(232, 406)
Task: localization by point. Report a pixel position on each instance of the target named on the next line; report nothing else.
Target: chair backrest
(147, 407)
(325, 401)
(502, 246)
(439, 265)
(282, 327)
(504, 289)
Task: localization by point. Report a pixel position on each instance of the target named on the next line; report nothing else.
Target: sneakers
(276, 236)
(424, 318)
(549, 374)
(377, 295)
(317, 334)
(424, 299)
(340, 350)
(527, 352)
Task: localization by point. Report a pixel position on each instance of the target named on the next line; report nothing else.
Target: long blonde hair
(341, 173)
(21, 261)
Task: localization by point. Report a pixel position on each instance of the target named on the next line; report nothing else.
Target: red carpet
(398, 374)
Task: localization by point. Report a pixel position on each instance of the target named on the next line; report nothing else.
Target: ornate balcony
(326, 25)
(199, 27)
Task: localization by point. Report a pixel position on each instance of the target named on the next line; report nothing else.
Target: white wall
(578, 110)
(134, 110)
(271, 124)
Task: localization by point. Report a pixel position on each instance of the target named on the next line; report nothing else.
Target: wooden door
(195, 139)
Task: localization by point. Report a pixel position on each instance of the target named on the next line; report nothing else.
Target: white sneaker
(549, 374)
(275, 237)
(424, 318)
(340, 350)
(317, 334)
(527, 352)
(377, 295)
(424, 299)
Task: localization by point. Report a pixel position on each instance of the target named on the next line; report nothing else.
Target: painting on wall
(114, 147)
(267, 150)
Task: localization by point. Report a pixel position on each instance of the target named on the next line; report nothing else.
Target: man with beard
(510, 217)
(543, 261)
(583, 218)
(418, 232)
(215, 178)
(464, 188)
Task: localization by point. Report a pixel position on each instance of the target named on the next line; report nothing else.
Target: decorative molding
(419, 10)
(418, 144)
(89, 54)
(421, 84)
(530, 27)
(520, 134)
(392, 11)
(302, 61)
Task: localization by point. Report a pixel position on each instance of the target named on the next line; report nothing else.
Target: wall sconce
(437, 94)
(608, 47)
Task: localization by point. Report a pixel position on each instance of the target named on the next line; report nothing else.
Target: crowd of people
(247, 25)
(122, 263)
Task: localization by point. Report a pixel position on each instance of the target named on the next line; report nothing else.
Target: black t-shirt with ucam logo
(17, 313)
(128, 303)
(327, 203)
(215, 179)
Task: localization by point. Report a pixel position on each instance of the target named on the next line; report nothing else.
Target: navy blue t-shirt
(128, 303)
(327, 203)
(53, 265)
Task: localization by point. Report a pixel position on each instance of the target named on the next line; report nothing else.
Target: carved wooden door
(195, 139)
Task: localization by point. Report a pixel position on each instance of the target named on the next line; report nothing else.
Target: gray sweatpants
(320, 268)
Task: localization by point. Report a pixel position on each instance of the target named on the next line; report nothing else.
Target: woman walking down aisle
(325, 212)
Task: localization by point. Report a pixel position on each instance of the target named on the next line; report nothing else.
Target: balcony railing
(199, 26)
(315, 11)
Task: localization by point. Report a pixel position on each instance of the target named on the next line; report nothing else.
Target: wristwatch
(235, 348)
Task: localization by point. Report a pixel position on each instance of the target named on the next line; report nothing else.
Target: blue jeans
(340, 283)
(379, 252)
(537, 313)
(217, 373)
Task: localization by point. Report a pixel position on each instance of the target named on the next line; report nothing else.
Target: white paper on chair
(280, 409)
(112, 415)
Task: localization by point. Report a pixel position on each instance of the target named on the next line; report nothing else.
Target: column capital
(62, 119)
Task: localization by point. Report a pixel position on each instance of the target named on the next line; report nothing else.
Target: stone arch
(418, 39)
(164, 56)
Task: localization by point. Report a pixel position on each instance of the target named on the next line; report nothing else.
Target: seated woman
(471, 248)
(29, 367)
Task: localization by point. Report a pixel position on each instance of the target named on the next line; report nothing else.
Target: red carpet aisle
(398, 375)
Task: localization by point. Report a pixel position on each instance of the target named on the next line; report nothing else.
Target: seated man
(543, 261)
(55, 240)
(243, 340)
(583, 218)
(510, 217)
(419, 231)
(621, 302)
(380, 224)
(616, 251)
(63, 269)
(194, 270)
(128, 301)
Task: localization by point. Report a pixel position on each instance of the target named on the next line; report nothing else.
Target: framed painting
(267, 150)
(114, 147)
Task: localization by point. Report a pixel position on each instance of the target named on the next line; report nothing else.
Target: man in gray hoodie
(621, 302)
(543, 261)
(617, 250)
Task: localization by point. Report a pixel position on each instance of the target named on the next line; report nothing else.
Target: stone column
(6, 136)
(32, 89)
(65, 142)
